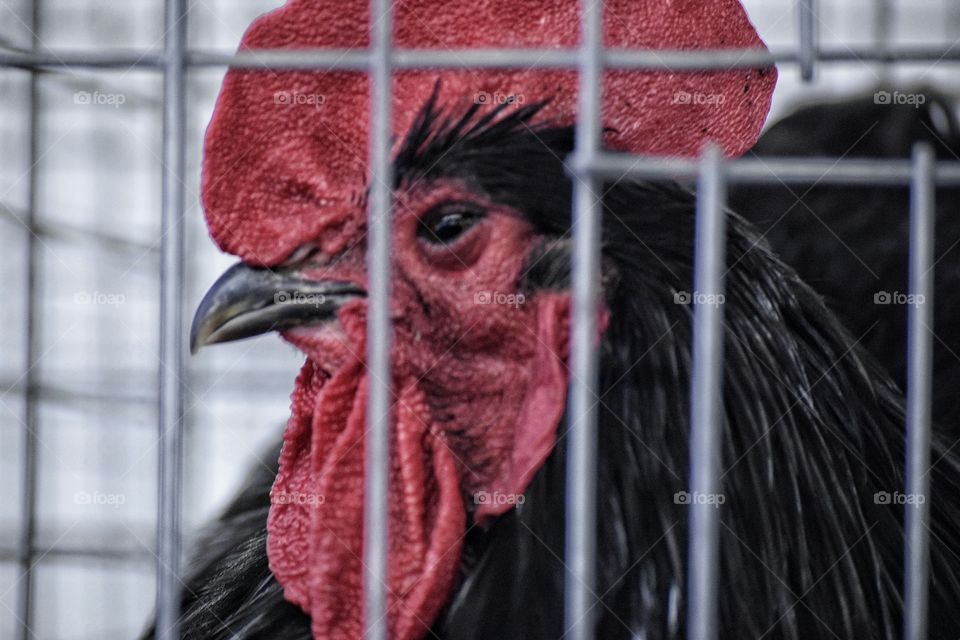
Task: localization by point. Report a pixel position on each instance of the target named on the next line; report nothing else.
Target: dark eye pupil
(450, 226)
(446, 226)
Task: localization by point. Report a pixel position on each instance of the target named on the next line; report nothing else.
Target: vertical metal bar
(28, 509)
(883, 34)
(951, 11)
(579, 605)
(807, 20)
(919, 384)
(706, 412)
(378, 326)
(883, 25)
(172, 372)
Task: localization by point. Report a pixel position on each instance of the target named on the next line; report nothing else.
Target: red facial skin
(474, 413)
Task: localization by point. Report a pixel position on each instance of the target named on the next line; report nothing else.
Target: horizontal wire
(107, 243)
(776, 170)
(74, 553)
(361, 59)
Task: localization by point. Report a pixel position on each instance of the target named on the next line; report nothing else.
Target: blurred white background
(98, 212)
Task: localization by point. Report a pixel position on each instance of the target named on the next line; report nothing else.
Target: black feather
(852, 243)
(229, 592)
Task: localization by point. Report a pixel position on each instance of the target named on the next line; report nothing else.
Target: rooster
(812, 426)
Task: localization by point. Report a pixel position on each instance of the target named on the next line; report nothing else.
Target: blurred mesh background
(97, 174)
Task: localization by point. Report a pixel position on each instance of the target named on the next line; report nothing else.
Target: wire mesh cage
(116, 447)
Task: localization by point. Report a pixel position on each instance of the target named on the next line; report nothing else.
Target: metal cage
(589, 165)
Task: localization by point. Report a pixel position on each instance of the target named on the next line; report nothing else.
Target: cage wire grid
(589, 166)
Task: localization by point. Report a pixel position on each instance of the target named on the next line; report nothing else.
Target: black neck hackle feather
(813, 428)
(852, 242)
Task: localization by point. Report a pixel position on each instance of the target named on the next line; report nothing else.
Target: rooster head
(479, 299)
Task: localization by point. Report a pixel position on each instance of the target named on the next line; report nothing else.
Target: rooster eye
(446, 223)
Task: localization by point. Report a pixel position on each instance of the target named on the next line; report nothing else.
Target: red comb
(285, 154)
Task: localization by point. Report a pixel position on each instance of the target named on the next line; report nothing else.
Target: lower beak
(246, 302)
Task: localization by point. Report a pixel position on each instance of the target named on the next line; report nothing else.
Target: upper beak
(246, 302)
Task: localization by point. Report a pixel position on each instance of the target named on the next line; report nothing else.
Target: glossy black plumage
(851, 243)
(813, 429)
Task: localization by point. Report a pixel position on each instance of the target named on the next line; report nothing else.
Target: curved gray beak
(246, 302)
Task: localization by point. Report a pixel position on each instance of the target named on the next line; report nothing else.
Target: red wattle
(315, 528)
